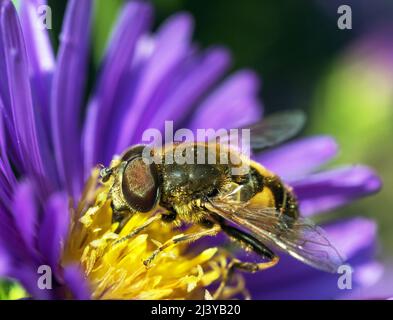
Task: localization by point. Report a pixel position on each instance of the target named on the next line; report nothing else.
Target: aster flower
(48, 154)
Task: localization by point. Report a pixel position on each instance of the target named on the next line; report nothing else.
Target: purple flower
(48, 152)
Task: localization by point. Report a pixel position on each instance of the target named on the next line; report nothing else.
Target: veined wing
(301, 238)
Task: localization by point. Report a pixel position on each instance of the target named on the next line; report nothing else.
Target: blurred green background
(343, 79)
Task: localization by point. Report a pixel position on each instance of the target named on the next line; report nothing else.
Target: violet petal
(7, 177)
(24, 209)
(76, 282)
(291, 279)
(40, 54)
(330, 189)
(382, 289)
(133, 22)
(171, 46)
(11, 239)
(28, 276)
(8, 133)
(233, 104)
(20, 93)
(68, 93)
(205, 72)
(4, 262)
(54, 229)
(296, 159)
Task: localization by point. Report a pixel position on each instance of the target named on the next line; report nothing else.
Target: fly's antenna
(105, 173)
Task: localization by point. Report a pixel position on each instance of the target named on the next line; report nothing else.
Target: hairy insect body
(194, 187)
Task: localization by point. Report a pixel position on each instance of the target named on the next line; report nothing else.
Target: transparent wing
(276, 129)
(301, 238)
(268, 132)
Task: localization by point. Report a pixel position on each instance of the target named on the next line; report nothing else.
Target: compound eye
(140, 184)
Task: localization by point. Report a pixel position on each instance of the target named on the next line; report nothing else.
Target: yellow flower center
(115, 269)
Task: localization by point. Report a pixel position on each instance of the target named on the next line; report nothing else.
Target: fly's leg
(120, 216)
(183, 238)
(166, 217)
(139, 229)
(253, 266)
(244, 266)
(250, 242)
(257, 246)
